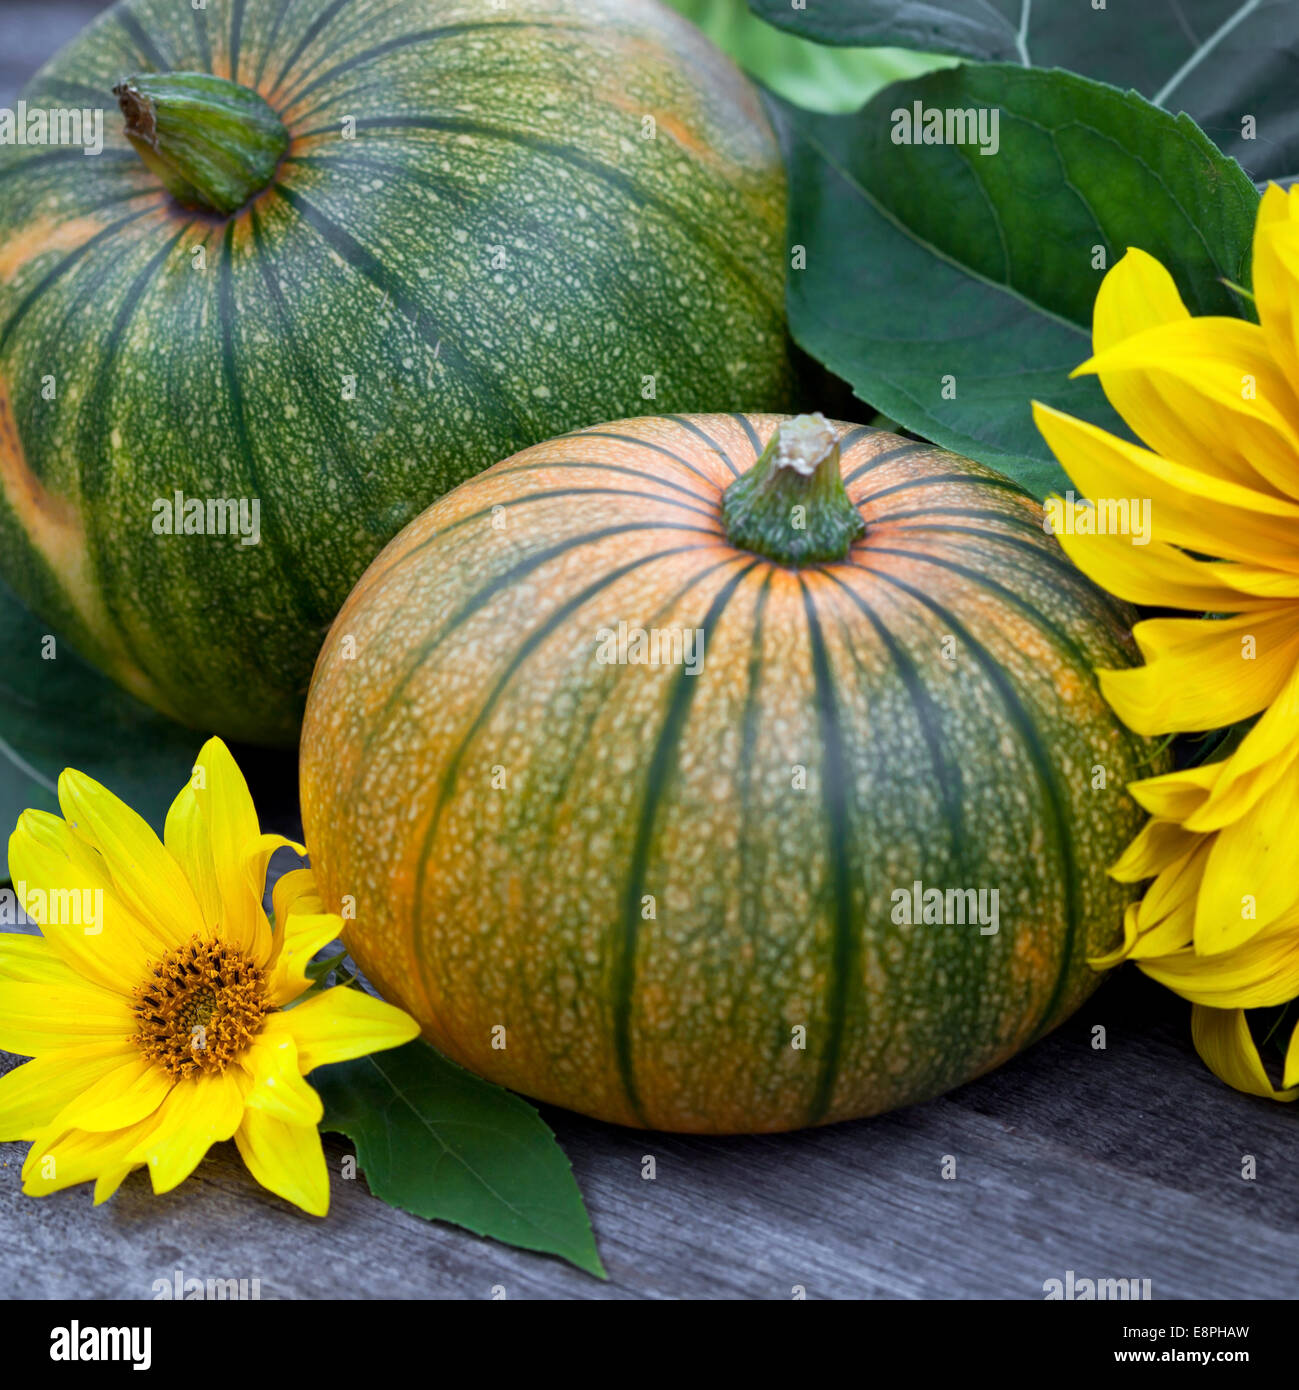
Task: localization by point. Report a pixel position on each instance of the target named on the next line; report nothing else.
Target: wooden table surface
(1122, 1163)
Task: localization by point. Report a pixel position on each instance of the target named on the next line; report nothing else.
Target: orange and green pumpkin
(333, 259)
(673, 892)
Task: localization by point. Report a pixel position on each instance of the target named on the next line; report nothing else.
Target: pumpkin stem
(213, 143)
(792, 506)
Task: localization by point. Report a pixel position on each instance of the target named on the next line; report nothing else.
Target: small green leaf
(984, 29)
(438, 1141)
(807, 73)
(950, 288)
(57, 711)
(330, 971)
(1227, 63)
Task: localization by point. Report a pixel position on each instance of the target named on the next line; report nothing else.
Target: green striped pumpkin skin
(498, 810)
(496, 256)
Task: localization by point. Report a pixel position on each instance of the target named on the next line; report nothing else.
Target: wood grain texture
(1121, 1163)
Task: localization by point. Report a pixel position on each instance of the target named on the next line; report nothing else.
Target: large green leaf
(1219, 60)
(438, 1141)
(56, 711)
(811, 74)
(933, 269)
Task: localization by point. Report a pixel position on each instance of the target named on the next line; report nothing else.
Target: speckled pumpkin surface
(668, 899)
(492, 223)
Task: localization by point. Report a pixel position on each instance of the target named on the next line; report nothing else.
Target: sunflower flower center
(200, 1008)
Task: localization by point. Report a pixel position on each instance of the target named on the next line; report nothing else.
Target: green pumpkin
(456, 231)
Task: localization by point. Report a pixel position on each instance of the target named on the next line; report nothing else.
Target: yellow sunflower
(156, 1004)
(1216, 402)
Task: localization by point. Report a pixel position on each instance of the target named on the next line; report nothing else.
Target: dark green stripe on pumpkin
(1054, 801)
(644, 444)
(662, 765)
(305, 597)
(607, 174)
(1063, 641)
(500, 583)
(1050, 554)
(854, 436)
(339, 451)
(62, 268)
(407, 555)
(1035, 551)
(143, 43)
(95, 432)
(1068, 572)
(520, 654)
(947, 771)
(745, 424)
(885, 456)
(839, 889)
(312, 32)
(20, 167)
(378, 274)
(962, 973)
(270, 46)
(936, 479)
(749, 906)
(707, 438)
(236, 34)
(595, 466)
(199, 17)
(403, 41)
(1024, 520)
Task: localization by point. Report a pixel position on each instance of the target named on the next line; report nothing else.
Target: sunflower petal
(278, 1086)
(1291, 1074)
(1275, 273)
(73, 900)
(1175, 796)
(296, 942)
(1207, 392)
(1165, 918)
(1162, 575)
(1222, 1038)
(1137, 293)
(31, 1095)
(59, 1159)
(1241, 524)
(231, 821)
(128, 1094)
(40, 1018)
(1120, 952)
(109, 1180)
(198, 1112)
(1266, 755)
(1250, 881)
(1261, 973)
(343, 1023)
(296, 892)
(1157, 845)
(30, 959)
(1204, 673)
(257, 859)
(151, 883)
(185, 835)
(286, 1159)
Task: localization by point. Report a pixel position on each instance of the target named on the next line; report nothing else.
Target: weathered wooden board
(1120, 1163)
